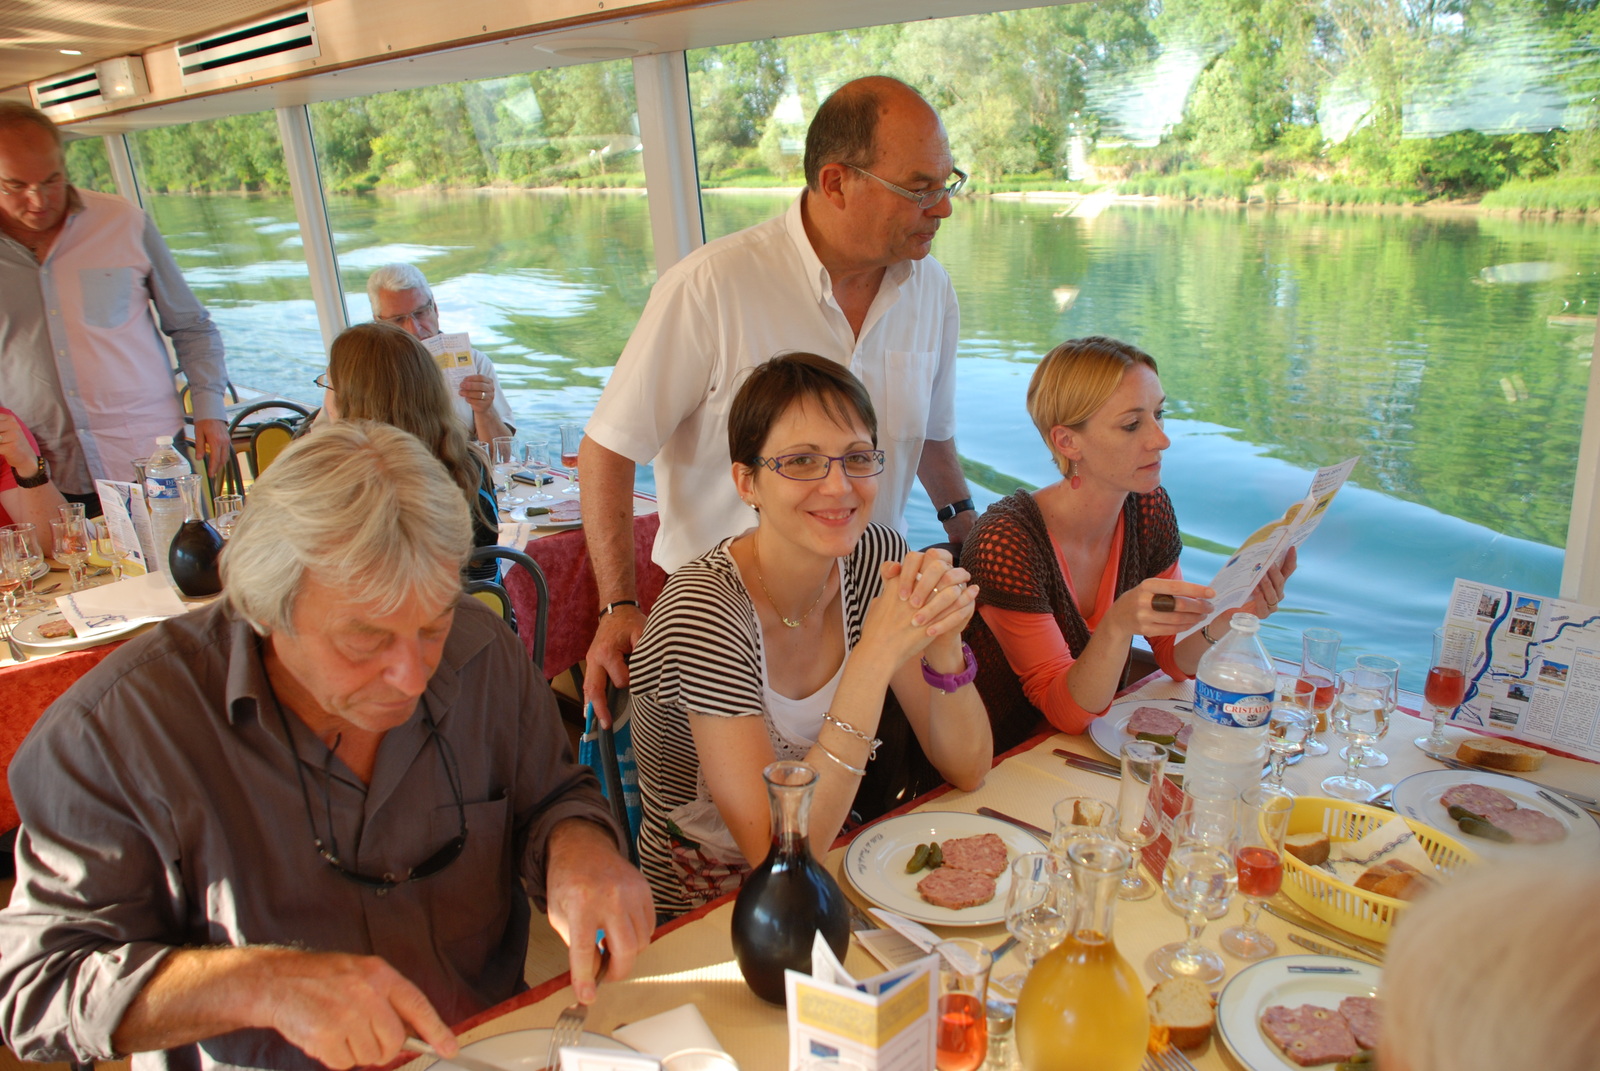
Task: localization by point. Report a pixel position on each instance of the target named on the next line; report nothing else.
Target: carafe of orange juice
(1083, 1006)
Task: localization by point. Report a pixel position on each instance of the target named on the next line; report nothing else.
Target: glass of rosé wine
(963, 1027)
(1319, 665)
(1258, 857)
(1446, 686)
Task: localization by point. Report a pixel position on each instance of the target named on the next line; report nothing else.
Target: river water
(1450, 353)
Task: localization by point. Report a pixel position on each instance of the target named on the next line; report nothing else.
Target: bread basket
(1363, 913)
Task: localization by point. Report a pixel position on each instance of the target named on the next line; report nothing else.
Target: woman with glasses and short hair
(786, 641)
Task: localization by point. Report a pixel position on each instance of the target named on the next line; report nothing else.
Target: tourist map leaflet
(1241, 573)
(881, 1024)
(453, 354)
(1533, 668)
(128, 518)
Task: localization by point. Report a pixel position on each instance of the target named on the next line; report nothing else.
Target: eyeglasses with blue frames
(925, 199)
(858, 464)
(448, 852)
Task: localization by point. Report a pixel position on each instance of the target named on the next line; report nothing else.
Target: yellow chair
(263, 441)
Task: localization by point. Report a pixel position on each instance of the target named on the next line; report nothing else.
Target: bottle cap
(163, 440)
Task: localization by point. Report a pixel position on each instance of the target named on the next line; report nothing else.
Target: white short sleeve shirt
(740, 301)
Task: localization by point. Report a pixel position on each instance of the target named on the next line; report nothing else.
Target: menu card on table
(453, 354)
(128, 518)
(884, 1023)
(1533, 672)
(1241, 573)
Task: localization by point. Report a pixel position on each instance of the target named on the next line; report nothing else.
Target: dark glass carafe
(789, 898)
(196, 549)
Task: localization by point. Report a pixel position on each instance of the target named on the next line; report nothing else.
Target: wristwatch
(947, 512)
(38, 478)
(949, 682)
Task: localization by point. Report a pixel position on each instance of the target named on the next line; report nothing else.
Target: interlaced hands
(926, 600)
(349, 1011)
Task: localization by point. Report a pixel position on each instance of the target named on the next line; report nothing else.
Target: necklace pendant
(791, 624)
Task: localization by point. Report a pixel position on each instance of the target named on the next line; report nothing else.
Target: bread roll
(1374, 876)
(1500, 754)
(1404, 885)
(1183, 1007)
(1310, 848)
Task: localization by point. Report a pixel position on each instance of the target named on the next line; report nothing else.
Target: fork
(17, 653)
(569, 1026)
(1171, 1060)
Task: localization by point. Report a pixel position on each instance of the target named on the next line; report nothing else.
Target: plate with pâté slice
(875, 863)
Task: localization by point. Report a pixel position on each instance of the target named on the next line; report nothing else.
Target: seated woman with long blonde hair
(378, 372)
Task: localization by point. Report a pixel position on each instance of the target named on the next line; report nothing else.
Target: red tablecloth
(26, 689)
(574, 605)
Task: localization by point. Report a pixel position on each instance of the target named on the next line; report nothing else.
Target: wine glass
(71, 543)
(1037, 911)
(1258, 858)
(32, 559)
(571, 436)
(1361, 711)
(1288, 728)
(1319, 662)
(1144, 766)
(1200, 879)
(1080, 818)
(1446, 686)
(106, 549)
(1389, 669)
(11, 571)
(225, 510)
(503, 453)
(536, 456)
(962, 1035)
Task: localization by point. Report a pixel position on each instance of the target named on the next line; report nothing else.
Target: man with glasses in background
(305, 821)
(844, 273)
(400, 295)
(82, 359)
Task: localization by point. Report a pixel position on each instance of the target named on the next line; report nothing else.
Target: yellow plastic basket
(1365, 914)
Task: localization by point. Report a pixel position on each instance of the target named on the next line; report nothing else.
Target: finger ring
(936, 589)
(1163, 603)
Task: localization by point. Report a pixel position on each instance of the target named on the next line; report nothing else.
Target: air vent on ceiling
(64, 95)
(272, 42)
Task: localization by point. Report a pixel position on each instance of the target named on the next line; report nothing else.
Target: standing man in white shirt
(400, 295)
(844, 273)
(82, 358)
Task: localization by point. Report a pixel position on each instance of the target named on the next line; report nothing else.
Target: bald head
(845, 129)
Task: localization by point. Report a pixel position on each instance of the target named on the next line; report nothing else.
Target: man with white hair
(400, 295)
(305, 821)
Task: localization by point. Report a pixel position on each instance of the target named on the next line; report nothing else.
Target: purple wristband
(949, 682)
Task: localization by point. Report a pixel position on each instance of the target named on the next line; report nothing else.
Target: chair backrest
(541, 622)
(183, 442)
(267, 441)
(495, 598)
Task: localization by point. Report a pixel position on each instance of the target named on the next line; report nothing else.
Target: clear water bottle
(1233, 689)
(161, 491)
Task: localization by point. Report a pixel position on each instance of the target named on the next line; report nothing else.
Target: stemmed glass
(11, 572)
(1080, 818)
(225, 510)
(571, 436)
(503, 453)
(1389, 669)
(1446, 686)
(105, 545)
(1319, 662)
(1361, 712)
(32, 559)
(1200, 879)
(71, 541)
(1144, 766)
(1037, 911)
(536, 456)
(1258, 857)
(1288, 728)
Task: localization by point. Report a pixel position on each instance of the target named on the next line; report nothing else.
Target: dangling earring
(1073, 479)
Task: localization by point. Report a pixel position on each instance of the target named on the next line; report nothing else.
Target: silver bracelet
(1205, 630)
(858, 771)
(872, 742)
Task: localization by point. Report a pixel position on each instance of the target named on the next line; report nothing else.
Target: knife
(1323, 932)
(990, 812)
(466, 1063)
(1321, 949)
(1084, 762)
(1456, 764)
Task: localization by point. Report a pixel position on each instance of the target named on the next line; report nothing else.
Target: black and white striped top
(701, 654)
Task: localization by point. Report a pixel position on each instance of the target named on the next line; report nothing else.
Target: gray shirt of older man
(303, 824)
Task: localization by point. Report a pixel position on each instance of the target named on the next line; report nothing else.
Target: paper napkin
(131, 601)
(680, 1028)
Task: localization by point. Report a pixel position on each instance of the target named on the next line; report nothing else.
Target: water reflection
(1444, 350)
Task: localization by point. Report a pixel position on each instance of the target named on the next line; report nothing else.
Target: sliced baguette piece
(1310, 848)
(1404, 885)
(1183, 1007)
(1498, 754)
